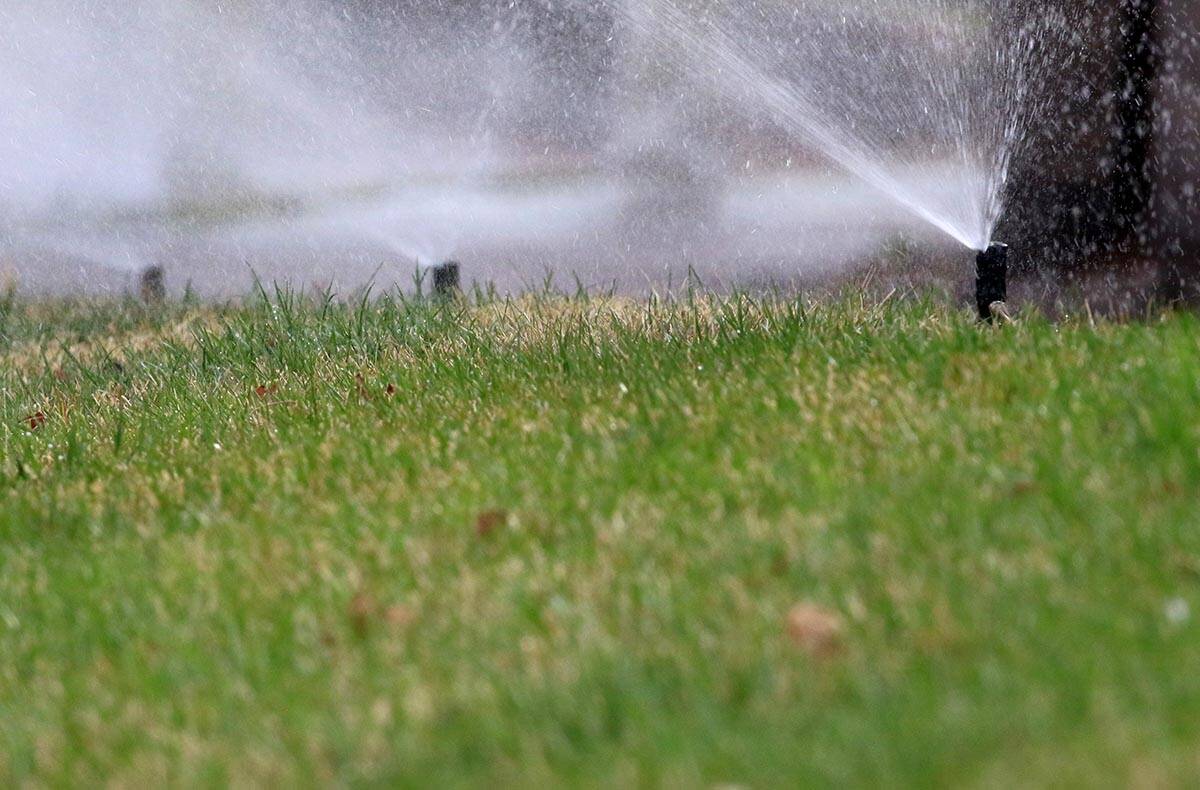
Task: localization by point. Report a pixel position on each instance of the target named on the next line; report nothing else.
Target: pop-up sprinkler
(991, 281)
(447, 279)
(152, 284)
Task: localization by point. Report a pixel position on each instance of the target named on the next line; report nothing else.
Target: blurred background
(333, 143)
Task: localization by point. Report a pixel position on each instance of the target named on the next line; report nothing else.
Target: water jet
(991, 280)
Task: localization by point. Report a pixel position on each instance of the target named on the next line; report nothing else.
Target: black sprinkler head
(447, 279)
(152, 284)
(991, 279)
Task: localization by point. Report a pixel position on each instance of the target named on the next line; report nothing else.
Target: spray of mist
(204, 134)
(884, 90)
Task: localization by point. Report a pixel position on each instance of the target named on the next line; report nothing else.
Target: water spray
(991, 281)
(447, 279)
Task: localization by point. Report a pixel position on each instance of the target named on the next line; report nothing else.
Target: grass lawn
(726, 542)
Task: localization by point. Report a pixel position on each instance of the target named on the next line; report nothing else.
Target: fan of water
(887, 89)
(129, 127)
(311, 139)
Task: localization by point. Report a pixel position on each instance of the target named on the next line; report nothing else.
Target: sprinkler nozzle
(152, 284)
(447, 279)
(991, 283)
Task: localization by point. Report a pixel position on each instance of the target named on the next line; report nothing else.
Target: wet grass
(724, 541)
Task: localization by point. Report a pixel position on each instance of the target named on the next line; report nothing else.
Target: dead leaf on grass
(815, 630)
(489, 521)
(400, 616)
(362, 610)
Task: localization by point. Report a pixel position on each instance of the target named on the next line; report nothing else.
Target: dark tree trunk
(1137, 73)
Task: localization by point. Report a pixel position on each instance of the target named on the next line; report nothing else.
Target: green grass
(564, 547)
